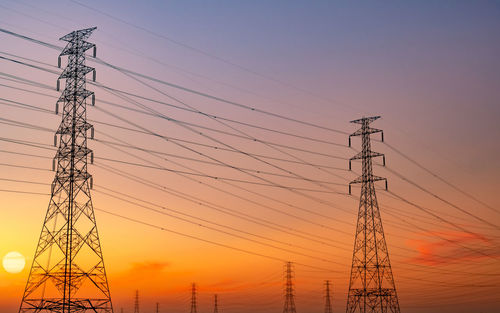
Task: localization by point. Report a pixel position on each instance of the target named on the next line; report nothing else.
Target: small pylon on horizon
(216, 304)
(328, 303)
(193, 298)
(289, 306)
(136, 302)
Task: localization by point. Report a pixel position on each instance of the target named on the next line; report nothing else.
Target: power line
(31, 126)
(120, 69)
(273, 144)
(247, 107)
(189, 109)
(208, 54)
(447, 222)
(405, 221)
(206, 240)
(441, 178)
(263, 222)
(245, 135)
(442, 199)
(152, 204)
(222, 162)
(438, 197)
(197, 218)
(32, 107)
(216, 229)
(182, 234)
(46, 194)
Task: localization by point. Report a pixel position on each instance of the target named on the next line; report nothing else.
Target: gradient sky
(429, 68)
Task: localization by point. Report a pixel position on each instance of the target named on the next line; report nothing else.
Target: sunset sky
(429, 68)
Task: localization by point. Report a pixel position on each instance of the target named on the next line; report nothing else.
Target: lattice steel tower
(193, 298)
(136, 302)
(289, 306)
(328, 299)
(371, 287)
(216, 304)
(67, 274)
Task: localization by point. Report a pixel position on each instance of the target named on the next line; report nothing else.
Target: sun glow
(14, 262)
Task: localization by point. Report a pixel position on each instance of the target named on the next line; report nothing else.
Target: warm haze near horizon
(429, 68)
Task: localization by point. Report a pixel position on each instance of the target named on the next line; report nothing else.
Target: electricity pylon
(216, 305)
(328, 302)
(371, 286)
(289, 306)
(136, 302)
(193, 298)
(68, 274)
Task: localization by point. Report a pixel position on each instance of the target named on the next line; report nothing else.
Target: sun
(13, 262)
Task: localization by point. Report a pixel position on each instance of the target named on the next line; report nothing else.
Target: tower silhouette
(371, 286)
(216, 305)
(328, 304)
(289, 306)
(193, 298)
(68, 274)
(136, 302)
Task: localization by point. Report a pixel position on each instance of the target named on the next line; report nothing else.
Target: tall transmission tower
(371, 286)
(328, 303)
(136, 302)
(289, 306)
(216, 305)
(68, 274)
(193, 298)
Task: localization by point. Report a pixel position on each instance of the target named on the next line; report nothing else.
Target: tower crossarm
(72, 49)
(365, 119)
(364, 180)
(70, 72)
(368, 154)
(67, 95)
(80, 34)
(366, 131)
(361, 179)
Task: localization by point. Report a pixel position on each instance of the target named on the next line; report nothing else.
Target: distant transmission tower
(136, 302)
(371, 287)
(193, 298)
(289, 306)
(157, 307)
(216, 305)
(67, 274)
(328, 304)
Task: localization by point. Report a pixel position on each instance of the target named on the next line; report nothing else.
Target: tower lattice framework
(371, 286)
(68, 274)
(193, 299)
(328, 299)
(136, 302)
(216, 304)
(289, 306)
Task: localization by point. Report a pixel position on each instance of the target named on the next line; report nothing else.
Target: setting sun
(13, 262)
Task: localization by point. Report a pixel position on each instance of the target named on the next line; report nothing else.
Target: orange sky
(429, 70)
